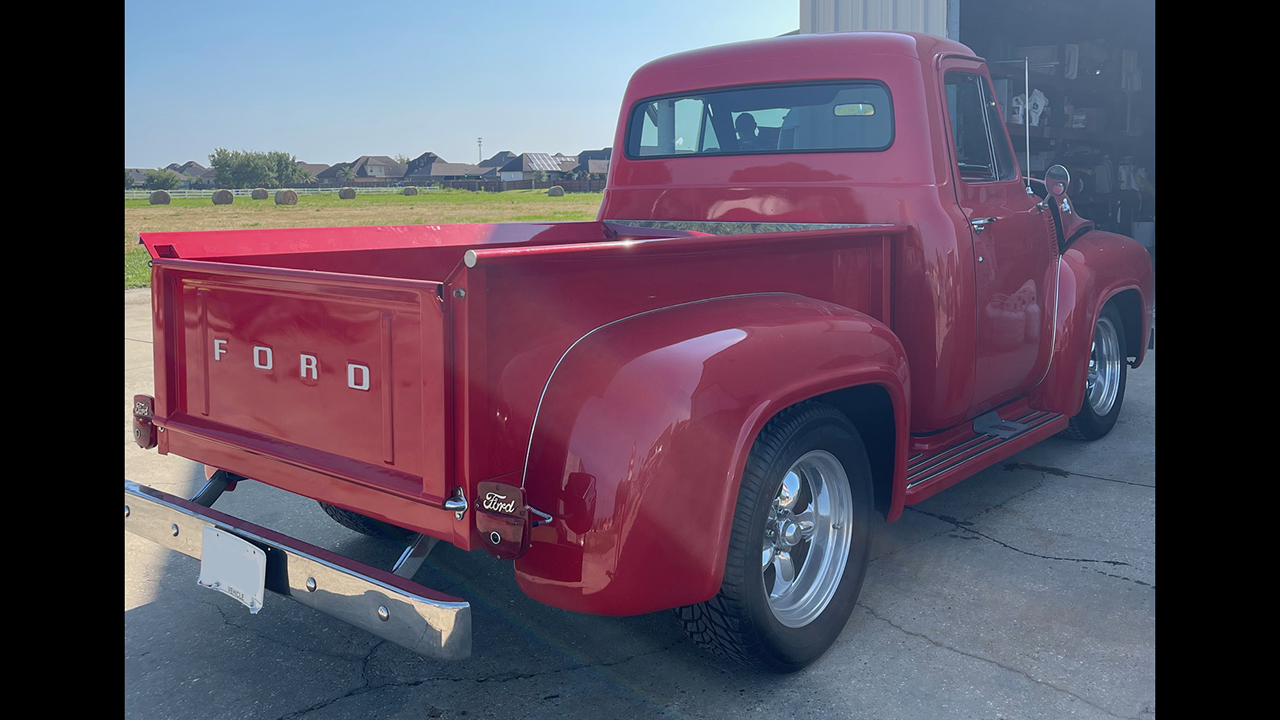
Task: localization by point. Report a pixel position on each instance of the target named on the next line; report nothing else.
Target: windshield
(847, 116)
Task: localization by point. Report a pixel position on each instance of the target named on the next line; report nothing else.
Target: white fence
(246, 192)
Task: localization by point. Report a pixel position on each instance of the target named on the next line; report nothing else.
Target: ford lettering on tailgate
(342, 373)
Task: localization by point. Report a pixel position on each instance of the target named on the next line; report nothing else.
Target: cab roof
(788, 58)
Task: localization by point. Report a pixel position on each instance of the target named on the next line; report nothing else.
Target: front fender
(1096, 267)
(644, 428)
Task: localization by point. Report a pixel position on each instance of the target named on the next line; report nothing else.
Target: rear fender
(1096, 268)
(644, 429)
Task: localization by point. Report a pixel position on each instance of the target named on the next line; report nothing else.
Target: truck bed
(368, 366)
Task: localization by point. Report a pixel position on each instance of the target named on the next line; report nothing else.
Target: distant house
(524, 166)
(601, 154)
(378, 167)
(193, 173)
(369, 169)
(499, 159)
(438, 171)
(595, 169)
(423, 160)
(314, 168)
(429, 167)
(139, 176)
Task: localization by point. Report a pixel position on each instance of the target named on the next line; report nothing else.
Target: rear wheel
(366, 525)
(1104, 380)
(799, 547)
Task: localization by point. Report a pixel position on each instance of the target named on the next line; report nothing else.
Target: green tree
(347, 173)
(540, 176)
(248, 168)
(401, 158)
(128, 179)
(162, 179)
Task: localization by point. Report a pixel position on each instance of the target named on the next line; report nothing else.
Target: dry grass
(433, 207)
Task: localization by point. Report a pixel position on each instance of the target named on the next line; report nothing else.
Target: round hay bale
(411, 191)
(347, 193)
(159, 197)
(259, 194)
(223, 197)
(286, 197)
(555, 191)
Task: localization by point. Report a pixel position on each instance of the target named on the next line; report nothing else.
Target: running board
(993, 439)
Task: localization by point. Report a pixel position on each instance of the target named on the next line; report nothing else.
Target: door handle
(979, 223)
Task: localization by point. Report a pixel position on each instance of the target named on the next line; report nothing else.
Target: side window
(967, 110)
(982, 141)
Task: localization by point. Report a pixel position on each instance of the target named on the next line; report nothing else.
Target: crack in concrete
(368, 687)
(962, 526)
(226, 620)
(148, 342)
(1022, 465)
(968, 520)
(364, 687)
(975, 656)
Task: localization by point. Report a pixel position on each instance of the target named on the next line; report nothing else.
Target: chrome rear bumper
(407, 614)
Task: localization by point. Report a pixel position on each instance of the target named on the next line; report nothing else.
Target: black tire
(1088, 424)
(738, 622)
(366, 525)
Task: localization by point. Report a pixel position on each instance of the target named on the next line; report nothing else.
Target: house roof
(424, 159)
(441, 169)
(332, 170)
(314, 168)
(394, 169)
(499, 159)
(595, 167)
(601, 154)
(533, 162)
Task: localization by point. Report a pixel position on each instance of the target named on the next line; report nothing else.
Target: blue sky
(329, 81)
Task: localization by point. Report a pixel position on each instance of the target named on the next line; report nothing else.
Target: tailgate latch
(457, 503)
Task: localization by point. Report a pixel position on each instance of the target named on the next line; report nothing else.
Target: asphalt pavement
(1026, 591)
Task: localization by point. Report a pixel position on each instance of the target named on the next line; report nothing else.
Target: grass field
(435, 206)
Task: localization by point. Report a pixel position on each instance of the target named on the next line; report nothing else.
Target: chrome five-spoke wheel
(806, 538)
(1103, 382)
(1104, 378)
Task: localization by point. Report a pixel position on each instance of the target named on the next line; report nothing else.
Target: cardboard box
(1041, 161)
(1089, 119)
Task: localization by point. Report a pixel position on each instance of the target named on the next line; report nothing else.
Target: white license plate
(233, 567)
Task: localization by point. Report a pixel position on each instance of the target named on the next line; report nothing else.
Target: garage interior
(1094, 63)
(1092, 78)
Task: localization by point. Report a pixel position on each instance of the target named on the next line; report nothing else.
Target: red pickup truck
(818, 287)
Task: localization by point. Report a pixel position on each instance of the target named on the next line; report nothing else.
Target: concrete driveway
(1027, 591)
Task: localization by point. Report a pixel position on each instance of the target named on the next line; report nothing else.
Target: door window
(983, 153)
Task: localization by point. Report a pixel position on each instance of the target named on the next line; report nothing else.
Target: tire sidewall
(1091, 422)
(797, 647)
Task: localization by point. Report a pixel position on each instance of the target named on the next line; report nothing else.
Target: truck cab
(819, 286)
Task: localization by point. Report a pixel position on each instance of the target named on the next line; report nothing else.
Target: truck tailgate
(339, 374)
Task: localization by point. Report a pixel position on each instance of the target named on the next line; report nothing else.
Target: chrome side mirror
(1056, 182)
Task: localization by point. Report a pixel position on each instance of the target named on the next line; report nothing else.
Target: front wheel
(1104, 380)
(799, 547)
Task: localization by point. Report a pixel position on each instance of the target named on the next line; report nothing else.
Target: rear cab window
(846, 116)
